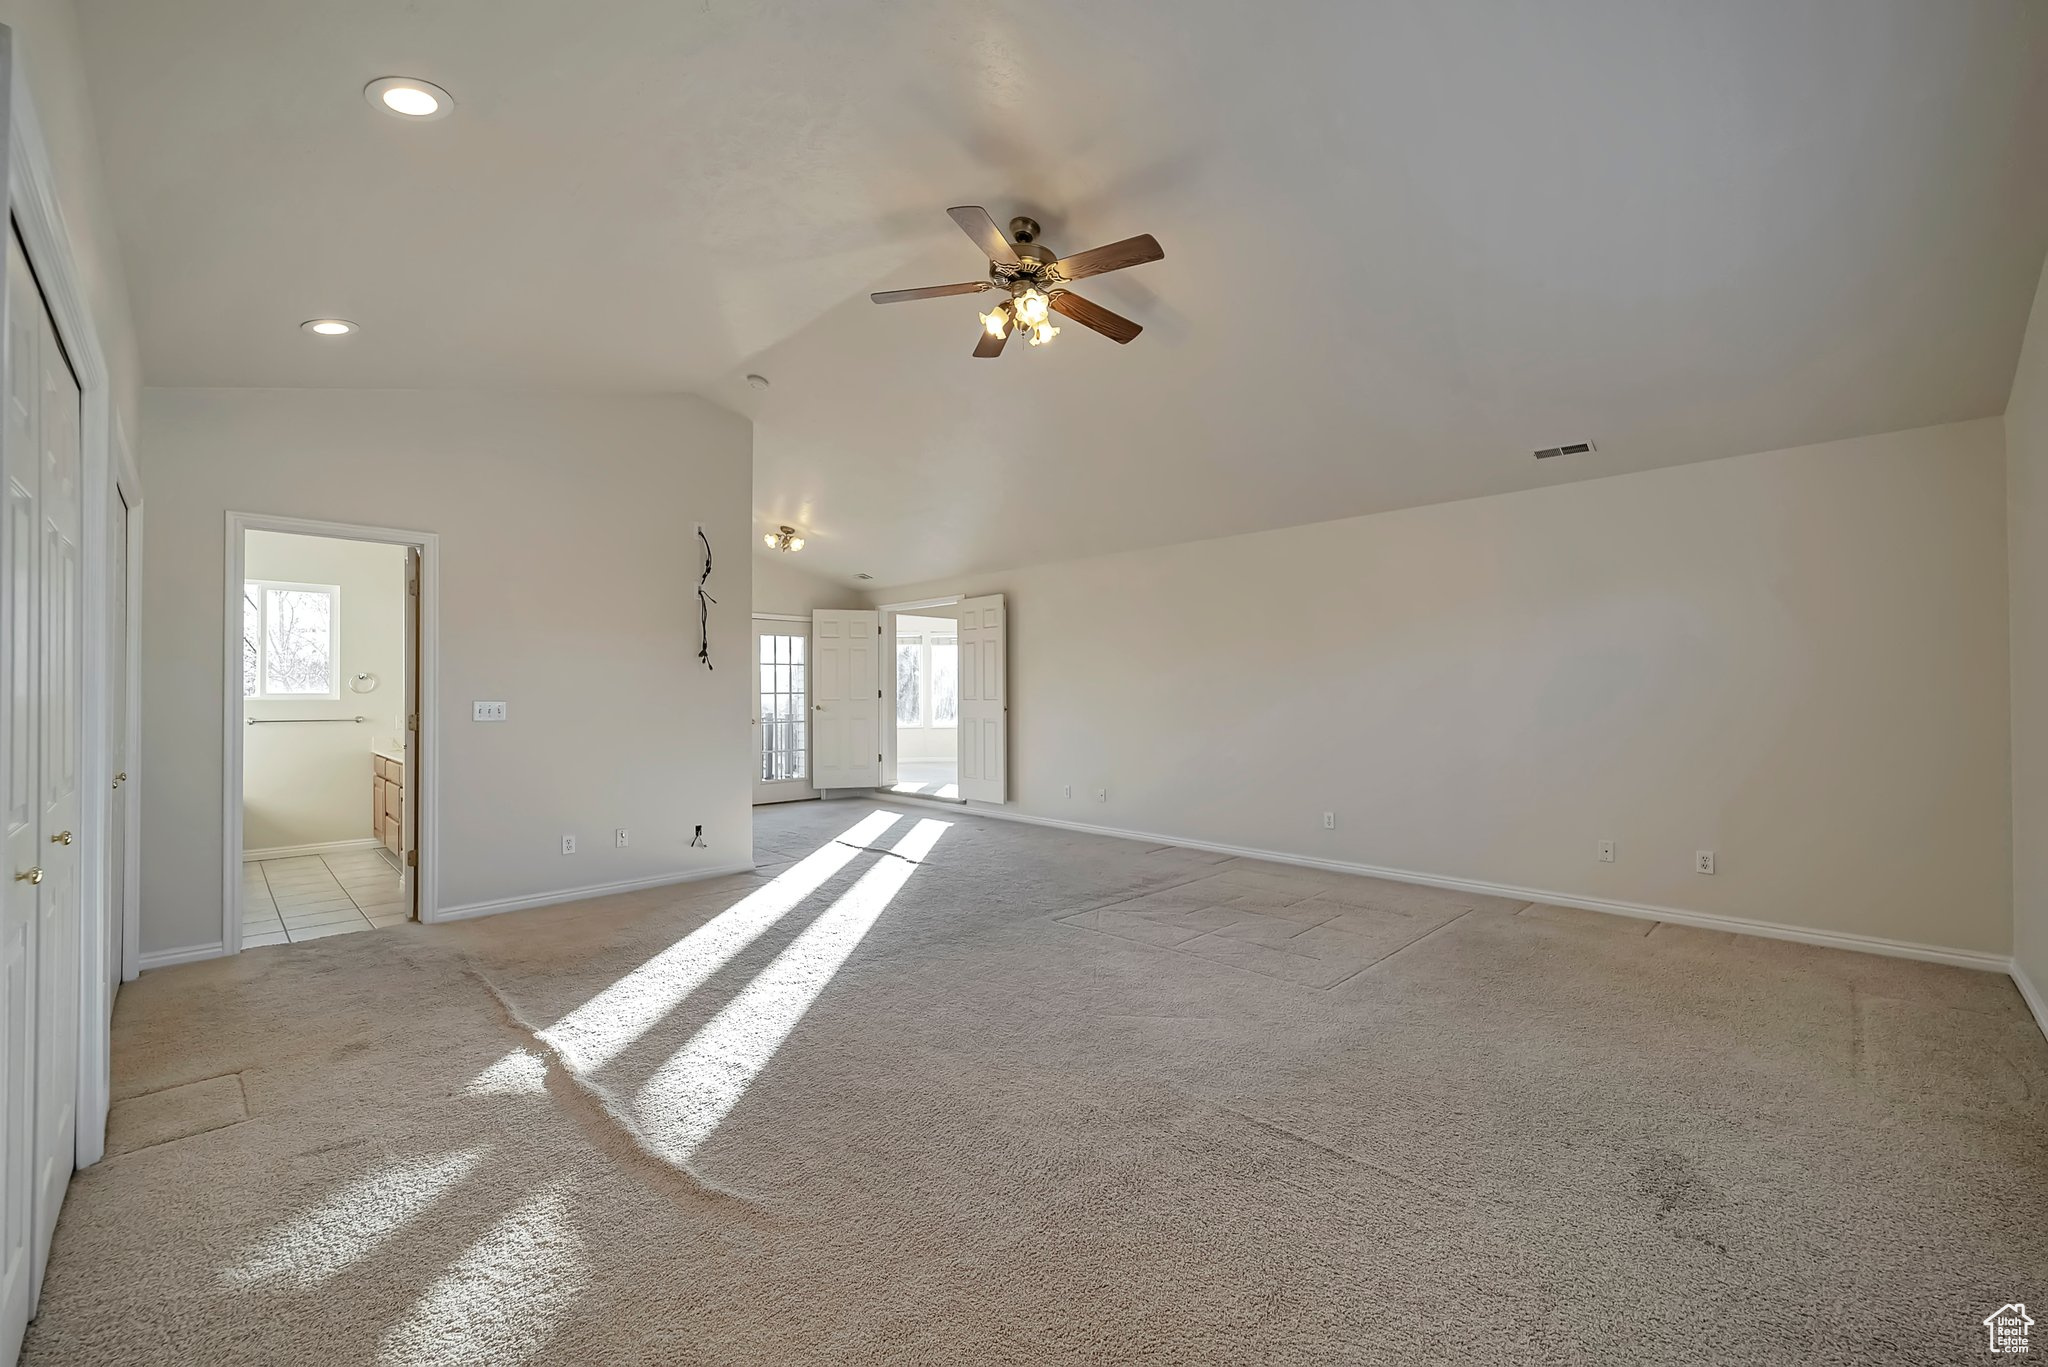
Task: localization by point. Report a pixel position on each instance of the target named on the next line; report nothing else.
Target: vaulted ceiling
(1406, 241)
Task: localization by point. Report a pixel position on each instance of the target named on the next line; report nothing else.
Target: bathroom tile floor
(309, 897)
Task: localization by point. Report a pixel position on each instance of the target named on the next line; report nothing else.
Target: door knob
(121, 777)
(32, 877)
(61, 838)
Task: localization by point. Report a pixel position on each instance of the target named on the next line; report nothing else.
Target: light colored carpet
(955, 1091)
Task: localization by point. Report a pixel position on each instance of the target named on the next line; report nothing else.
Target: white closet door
(20, 728)
(59, 941)
(846, 699)
(984, 700)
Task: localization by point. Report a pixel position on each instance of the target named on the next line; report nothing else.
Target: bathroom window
(290, 641)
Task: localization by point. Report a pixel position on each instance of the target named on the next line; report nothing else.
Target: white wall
(782, 585)
(1796, 659)
(567, 589)
(308, 783)
(46, 42)
(2026, 440)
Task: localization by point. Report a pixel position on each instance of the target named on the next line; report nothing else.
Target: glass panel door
(782, 750)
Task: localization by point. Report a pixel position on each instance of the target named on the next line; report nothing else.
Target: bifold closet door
(20, 728)
(40, 718)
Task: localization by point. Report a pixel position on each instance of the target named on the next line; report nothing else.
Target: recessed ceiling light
(329, 327)
(409, 98)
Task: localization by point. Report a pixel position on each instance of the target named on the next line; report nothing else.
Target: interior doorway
(330, 666)
(782, 710)
(927, 692)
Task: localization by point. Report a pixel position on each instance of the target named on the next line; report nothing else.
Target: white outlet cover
(568, 844)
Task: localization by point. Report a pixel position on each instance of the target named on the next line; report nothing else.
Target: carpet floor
(930, 1088)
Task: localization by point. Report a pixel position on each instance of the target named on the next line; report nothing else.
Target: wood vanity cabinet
(387, 803)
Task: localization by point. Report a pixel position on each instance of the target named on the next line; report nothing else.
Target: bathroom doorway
(325, 705)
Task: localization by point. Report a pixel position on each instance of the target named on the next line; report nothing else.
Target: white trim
(130, 486)
(549, 899)
(424, 784)
(2030, 994)
(368, 842)
(951, 600)
(781, 617)
(32, 202)
(1736, 925)
(167, 958)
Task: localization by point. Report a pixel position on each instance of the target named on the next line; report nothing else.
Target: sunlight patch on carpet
(602, 1028)
(692, 1093)
(501, 1299)
(308, 1249)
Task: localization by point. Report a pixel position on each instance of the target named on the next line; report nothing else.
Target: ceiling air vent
(1577, 448)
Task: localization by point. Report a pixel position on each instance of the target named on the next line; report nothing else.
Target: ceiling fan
(1032, 277)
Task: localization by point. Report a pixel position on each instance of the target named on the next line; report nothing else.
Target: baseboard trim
(1703, 920)
(166, 958)
(368, 842)
(2031, 994)
(583, 894)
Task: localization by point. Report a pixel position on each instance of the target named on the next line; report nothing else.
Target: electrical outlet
(1703, 861)
(1606, 852)
(620, 836)
(1102, 794)
(487, 711)
(1329, 821)
(1070, 790)
(568, 844)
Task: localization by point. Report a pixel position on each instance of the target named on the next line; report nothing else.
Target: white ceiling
(1406, 241)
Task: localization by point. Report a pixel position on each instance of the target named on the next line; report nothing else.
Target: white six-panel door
(40, 907)
(19, 900)
(984, 700)
(59, 941)
(846, 699)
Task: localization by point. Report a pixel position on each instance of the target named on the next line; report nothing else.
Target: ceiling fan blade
(929, 292)
(991, 346)
(975, 222)
(1132, 251)
(1114, 326)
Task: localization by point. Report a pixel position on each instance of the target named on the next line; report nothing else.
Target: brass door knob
(33, 876)
(121, 778)
(61, 838)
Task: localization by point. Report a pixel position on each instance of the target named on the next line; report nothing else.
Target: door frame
(127, 485)
(423, 770)
(810, 790)
(33, 205)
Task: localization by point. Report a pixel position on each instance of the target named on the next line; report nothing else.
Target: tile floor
(313, 896)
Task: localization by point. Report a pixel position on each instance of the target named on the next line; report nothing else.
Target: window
(289, 641)
(927, 679)
(783, 750)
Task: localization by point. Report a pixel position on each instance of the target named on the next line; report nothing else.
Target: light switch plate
(487, 711)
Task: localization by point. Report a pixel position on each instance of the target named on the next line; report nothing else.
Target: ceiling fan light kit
(1034, 279)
